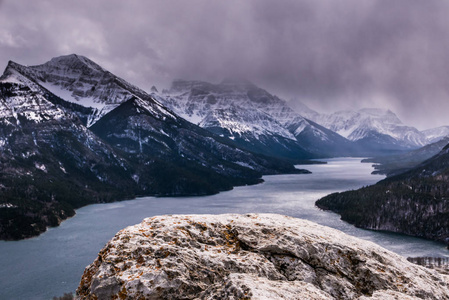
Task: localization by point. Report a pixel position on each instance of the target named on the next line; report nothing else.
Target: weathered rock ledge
(254, 256)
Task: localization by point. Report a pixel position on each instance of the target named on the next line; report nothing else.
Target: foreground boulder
(253, 256)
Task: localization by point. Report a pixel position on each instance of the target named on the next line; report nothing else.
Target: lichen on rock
(252, 256)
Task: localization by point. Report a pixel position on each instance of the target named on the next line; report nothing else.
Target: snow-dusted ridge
(238, 107)
(435, 134)
(356, 125)
(382, 125)
(79, 80)
(251, 116)
(27, 99)
(57, 155)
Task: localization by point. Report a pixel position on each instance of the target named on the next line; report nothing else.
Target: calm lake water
(52, 264)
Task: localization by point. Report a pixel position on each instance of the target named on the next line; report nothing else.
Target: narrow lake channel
(52, 264)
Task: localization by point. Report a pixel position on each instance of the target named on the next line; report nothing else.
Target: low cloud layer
(328, 54)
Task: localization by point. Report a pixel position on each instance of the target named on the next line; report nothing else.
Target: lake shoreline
(56, 259)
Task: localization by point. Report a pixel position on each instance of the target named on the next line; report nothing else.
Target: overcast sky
(329, 54)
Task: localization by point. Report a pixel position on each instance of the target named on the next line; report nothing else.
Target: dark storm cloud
(329, 54)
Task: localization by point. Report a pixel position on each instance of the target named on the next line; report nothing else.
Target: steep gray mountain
(209, 165)
(52, 163)
(79, 80)
(382, 128)
(253, 118)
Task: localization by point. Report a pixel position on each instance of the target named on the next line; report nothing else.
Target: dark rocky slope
(253, 118)
(51, 163)
(415, 202)
(397, 164)
(205, 163)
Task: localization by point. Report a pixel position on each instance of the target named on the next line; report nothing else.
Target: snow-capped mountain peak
(380, 115)
(24, 98)
(234, 108)
(15, 73)
(374, 124)
(74, 63)
(79, 80)
(249, 115)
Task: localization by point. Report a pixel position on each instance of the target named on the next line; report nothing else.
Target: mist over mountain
(334, 56)
(374, 128)
(73, 133)
(112, 100)
(110, 141)
(397, 164)
(253, 118)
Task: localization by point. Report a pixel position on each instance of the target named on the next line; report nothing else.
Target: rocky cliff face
(253, 118)
(79, 80)
(52, 161)
(250, 256)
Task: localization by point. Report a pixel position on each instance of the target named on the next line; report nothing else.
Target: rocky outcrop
(250, 256)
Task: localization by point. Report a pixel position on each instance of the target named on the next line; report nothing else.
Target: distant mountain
(373, 129)
(436, 134)
(397, 164)
(379, 128)
(52, 162)
(252, 118)
(414, 203)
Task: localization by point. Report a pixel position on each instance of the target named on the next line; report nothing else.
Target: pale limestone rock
(253, 256)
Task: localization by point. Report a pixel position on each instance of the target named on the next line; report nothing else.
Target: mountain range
(261, 122)
(57, 155)
(374, 129)
(73, 133)
(253, 118)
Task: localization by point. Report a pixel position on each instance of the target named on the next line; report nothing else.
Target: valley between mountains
(73, 133)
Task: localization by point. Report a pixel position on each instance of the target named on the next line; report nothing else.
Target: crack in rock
(252, 256)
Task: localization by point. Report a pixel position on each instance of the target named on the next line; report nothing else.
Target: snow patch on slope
(435, 134)
(356, 125)
(68, 96)
(238, 107)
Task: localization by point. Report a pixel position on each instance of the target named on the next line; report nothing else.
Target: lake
(52, 264)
